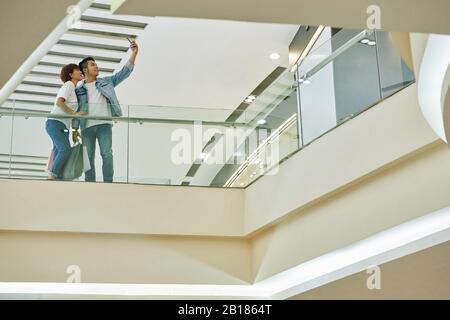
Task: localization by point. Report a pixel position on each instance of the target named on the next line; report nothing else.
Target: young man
(97, 98)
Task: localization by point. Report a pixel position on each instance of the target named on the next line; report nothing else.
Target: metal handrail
(336, 53)
(139, 120)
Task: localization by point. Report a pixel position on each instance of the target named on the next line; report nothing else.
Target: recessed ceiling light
(307, 82)
(262, 121)
(365, 41)
(371, 43)
(275, 56)
(250, 99)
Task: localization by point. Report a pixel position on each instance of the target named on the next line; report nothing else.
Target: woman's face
(77, 75)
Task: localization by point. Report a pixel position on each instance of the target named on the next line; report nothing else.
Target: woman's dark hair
(67, 70)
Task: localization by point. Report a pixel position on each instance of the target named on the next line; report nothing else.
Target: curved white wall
(434, 80)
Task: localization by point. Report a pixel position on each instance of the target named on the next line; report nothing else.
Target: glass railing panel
(329, 45)
(6, 125)
(271, 98)
(274, 124)
(262, 116)
(181, 146)
(30, 145)
(271, 109)
(356, 78)
(150, 153)
(144, 149)
(395, 61)
(342, 87)
(120, 152)
(279, 144)
(318, 104)
(349, 73)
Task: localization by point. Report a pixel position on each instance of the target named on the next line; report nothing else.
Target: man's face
(91, 69)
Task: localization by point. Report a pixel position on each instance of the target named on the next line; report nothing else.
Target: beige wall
(379, 136)
(411, 188)
(108, 258)
(384, 167)
(398, 15)
(423, 275)
(120, 208)
(111, 231)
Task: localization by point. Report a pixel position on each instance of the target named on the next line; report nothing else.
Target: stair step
(122, 35)
(58, 63)
(46, 94)
(85, 44)
(22, 99)
(114, 22)
(82, 56)
(44, 84)
(102, 6)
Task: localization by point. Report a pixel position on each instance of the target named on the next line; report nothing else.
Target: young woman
(58, 129)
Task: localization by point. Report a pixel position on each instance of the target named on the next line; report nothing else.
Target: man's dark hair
(66, 71)
(83, 63)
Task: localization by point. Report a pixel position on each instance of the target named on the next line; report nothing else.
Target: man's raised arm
(118, 77)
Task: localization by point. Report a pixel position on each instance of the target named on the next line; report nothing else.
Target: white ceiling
(204, 63)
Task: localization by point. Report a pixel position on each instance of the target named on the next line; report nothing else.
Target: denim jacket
(106, 87)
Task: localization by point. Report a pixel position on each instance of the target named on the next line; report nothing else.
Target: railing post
(299, 112)
(11, 140)
(128, 144)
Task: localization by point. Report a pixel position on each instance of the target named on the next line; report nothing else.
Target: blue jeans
(102, 133)
(59, 134)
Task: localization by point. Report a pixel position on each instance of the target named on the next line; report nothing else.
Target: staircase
(101, 35)
(22, 167)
